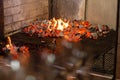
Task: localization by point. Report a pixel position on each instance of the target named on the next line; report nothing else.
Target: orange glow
(62, 25)
(9, 41)
(58, 24)
(13, 50)
(55, 22)
(9, 45)
(71, 30)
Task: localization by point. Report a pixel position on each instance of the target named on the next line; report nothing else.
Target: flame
(62, 25)
(9, 41)
(9, 45)
(12, 48)
(58, 24)
(55, 22)
(74, 30)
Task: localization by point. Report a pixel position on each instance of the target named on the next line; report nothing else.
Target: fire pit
(71, 30)
(56, 57)
(56, 41)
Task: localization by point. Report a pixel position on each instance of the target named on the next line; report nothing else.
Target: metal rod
(117, 32)
(50, 9)
(103, 64)
(85, 13)
(1, 20)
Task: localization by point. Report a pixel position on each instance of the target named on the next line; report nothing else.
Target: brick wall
(19, 12)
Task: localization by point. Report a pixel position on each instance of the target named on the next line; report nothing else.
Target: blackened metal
(64, 55)
(85, 16)
(1, 20)
(117, 32)
(103, 65)
(50, 8)
(104, 62)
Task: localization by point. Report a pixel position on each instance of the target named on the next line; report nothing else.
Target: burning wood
(15, 51)
(9, 41)
(71, 30)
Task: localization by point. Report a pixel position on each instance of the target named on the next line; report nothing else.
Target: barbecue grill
(61, 40)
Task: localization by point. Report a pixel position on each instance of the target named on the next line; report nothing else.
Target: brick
(7, 3)
(44, 16)
(8, 12)
(26, 22)
(40, 11)
(21, 12)
(8, 20)
(25, 7)
(24, 1)
(18, 17)
(45, 10)
(40, 8)
(17, 9)
(28, 1)
(33, 6)
(33, 13)
(16, 25)
(7, 28)
(16, 2)
(45, 2)
(26, 15)
(26, 11)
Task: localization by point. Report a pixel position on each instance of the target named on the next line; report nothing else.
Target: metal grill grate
(105, 62)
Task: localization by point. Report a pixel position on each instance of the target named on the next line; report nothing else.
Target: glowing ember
(9, 41)
(61, 24)
(71, 30)
(9, 45)
(15, 51)
(57, 24)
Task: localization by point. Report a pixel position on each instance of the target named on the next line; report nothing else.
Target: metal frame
(50, 8)
(117, 30)
(50, 16)
(1, 20)
(104, 63)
